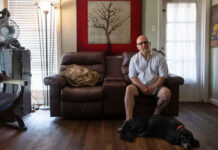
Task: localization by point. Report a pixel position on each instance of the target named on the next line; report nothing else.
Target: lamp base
(44, 107)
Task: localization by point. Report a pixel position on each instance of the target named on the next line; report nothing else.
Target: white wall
(68, 26)
(1, 4)
(214, 2)
(150, 19)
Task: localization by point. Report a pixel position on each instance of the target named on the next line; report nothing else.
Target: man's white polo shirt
(148, 71)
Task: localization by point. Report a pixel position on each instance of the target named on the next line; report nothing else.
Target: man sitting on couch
(147, 72)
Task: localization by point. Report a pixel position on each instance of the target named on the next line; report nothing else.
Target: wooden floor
(46, 133)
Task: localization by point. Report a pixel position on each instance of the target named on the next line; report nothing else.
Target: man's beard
(145, 51)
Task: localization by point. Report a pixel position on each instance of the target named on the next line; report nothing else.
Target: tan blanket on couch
(80, 76)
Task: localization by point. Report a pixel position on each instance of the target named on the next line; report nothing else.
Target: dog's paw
(142, 134)
(195, 143)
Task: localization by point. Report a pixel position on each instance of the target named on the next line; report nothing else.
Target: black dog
(165, 128)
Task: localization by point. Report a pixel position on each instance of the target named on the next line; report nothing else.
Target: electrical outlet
(153, 29)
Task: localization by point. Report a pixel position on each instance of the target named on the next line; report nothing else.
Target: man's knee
(131, 90)
(164, 94)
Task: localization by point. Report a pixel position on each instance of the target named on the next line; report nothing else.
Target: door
(181, 44)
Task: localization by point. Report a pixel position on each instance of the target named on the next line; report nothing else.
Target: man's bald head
(141, 38)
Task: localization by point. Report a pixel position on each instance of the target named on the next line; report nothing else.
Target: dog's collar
(179, 127)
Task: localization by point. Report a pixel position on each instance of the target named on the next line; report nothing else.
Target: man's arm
(142, 87)
(153, 87)
(162, 71)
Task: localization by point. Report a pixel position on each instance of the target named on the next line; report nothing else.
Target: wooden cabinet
(16, 63)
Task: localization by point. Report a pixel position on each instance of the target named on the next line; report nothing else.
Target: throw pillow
(80, 76)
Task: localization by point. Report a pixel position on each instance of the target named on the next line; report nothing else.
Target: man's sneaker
(120, 129)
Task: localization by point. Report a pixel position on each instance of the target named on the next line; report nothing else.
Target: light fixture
(46, 6)
(47, 2)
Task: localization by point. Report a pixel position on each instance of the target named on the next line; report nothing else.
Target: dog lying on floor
(165, 128)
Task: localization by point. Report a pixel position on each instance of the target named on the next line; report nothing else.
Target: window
(24, 13)
(181, 40)
(183, 29)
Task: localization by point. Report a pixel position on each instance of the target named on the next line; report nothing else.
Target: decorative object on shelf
(110, 26)
(46, 37)
(9, 31)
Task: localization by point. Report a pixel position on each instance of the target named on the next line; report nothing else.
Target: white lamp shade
(45, 6)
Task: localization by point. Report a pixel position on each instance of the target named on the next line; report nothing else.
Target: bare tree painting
(108, 22)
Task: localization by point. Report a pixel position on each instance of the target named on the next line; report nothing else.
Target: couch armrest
(173, 79)
(55, 80)
(114, 91)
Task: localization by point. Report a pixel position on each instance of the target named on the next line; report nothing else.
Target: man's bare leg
(164, 96)
(129, 101)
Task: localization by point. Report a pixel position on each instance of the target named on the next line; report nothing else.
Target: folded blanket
(80, 76)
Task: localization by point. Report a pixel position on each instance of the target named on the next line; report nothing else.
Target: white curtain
(181, 45)
(181, 39)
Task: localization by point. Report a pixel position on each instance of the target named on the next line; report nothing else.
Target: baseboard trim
(214, 101)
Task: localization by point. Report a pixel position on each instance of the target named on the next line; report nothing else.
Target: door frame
(205, 21)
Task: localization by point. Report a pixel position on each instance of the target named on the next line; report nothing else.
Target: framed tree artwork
(111, 26)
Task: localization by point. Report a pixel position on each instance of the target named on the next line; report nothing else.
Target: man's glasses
(144, 42)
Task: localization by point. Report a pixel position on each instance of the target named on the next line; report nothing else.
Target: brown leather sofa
(106, 98)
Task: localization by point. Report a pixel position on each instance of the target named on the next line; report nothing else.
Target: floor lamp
(45, 53)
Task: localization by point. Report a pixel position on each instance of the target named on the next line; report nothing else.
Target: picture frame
(89, 42)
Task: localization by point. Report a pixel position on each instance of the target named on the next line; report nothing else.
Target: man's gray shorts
(154, 96)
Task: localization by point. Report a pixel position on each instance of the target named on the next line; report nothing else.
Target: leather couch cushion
(126, 57)
(125, 73)
(145, 100)
(83, 58)
(82, 94)
(82, 109)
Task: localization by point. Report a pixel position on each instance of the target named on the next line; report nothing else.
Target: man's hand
(151, 90)
(153, 87)
(144, 90)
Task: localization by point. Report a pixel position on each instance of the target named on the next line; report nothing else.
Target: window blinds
(24, 13)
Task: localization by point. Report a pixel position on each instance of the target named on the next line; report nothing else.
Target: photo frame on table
(111, 26)
(214, 26)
